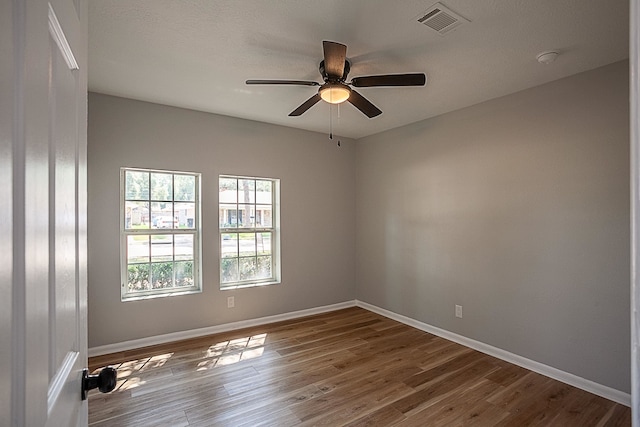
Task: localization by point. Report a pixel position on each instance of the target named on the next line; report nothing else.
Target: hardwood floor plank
(296, 373)
(539, 409)
(283, 387)
(257, 409)
(449, 367)
(456, 406)
(520, 391)
(349, 367)
(584, 410)
(618, 416)
(507, 374)
(178, 400)
(170, 418)
(351, 404)
(428, 394)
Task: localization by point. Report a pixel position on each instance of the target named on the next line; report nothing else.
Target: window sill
(248, 285)
(160, 295)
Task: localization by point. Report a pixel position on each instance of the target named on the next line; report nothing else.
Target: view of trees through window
(161, 231)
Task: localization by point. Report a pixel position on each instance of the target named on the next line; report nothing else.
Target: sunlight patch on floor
(232, 351)
(126, 370)
(133, 374)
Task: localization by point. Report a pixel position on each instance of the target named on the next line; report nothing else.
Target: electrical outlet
(231, 302)
(459, 311)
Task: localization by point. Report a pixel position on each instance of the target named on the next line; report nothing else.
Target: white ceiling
(197, 54)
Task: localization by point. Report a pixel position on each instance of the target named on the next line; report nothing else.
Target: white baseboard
(200, 332)
(565, 377)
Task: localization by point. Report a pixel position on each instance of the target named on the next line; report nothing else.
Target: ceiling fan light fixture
(335, 93)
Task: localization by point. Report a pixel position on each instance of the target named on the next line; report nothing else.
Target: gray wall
(317, 200)
(518, 210)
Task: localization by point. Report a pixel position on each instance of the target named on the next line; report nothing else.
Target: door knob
(105, 381)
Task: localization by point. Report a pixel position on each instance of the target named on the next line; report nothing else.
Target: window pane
(228, 190)
(264, 267)
(137, 277)
(264, 192)
(136, 185)
(185, 188)
(161, 186)
(183, 247)
(263, 243)
(246, 216)
(156, 213)
(137, 249)
(161, 275)
(136, 215)
(264, 216)
(229, 245)
(228, 216)
(166, 222)
(247, 242)
(161, 248)
(184, 273)
(248, 268)
(228, 270)
(186, 215)
(246, 191)
(162, 215)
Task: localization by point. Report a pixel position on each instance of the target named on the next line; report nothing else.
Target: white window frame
(275, 237)
(196, 231)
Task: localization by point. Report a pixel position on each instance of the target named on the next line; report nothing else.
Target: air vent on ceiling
(441, 19)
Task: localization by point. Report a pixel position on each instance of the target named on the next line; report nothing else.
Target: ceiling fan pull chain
(331, 121)
(338, 116)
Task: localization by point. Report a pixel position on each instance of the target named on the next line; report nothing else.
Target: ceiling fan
(334, 69)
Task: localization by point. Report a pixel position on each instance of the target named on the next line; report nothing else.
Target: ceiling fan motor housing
(333, 79)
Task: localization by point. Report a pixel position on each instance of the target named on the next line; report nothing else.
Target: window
(249, 225)
(160, 233)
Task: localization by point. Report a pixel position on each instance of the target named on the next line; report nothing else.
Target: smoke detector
(441, 19)
(547, 57)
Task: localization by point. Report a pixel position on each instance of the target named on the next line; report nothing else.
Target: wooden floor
(349, 367)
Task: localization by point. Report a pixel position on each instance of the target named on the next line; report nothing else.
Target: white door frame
(634, 98)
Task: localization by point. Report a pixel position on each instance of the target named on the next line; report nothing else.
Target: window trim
(196, 232)
(275, 237)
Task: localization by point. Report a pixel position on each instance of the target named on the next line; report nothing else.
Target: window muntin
(160, 233)
(248, 231)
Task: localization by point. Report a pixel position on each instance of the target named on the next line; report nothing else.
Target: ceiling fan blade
(335, 54)
(305, 105)
(418, 79)
(363, 104)
(283, 82)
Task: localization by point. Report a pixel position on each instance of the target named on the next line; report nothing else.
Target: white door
(43, 199)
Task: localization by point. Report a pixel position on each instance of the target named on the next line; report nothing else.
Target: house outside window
(160, 233)
(249, 231)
